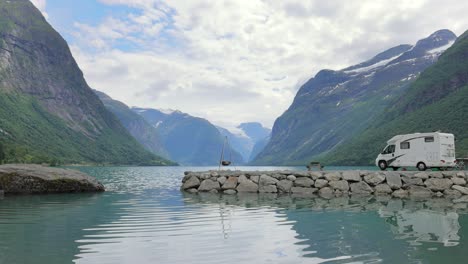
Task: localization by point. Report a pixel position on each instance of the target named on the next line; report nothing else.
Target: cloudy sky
(233, 61)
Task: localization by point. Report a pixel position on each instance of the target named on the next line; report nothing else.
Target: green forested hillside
(48, 113)
(437, 100)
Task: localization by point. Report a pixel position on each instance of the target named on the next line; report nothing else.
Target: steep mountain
(48, 113)
(437, 100)
(332, 107)
(246, 137)
(188, 140)
(259, 147)
(136, 125)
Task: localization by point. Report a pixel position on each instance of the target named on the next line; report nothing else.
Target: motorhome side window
(404, 145)
(429, 139)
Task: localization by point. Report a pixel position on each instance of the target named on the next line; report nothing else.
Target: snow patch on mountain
(441, 48)
(373, 66)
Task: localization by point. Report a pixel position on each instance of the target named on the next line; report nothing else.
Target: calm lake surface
(144, 218)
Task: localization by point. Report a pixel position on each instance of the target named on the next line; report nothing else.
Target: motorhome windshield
(389, 149)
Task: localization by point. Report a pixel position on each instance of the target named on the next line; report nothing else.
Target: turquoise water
(144, 218)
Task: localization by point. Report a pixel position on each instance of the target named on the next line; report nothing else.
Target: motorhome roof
(406, 136)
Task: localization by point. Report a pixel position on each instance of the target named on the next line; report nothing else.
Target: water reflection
(350, 226)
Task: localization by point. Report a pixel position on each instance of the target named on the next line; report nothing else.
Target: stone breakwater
(400, 184)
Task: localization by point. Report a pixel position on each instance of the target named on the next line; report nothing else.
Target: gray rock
(326, 192)
(339, 185)
(204, 176)
(291, 177)
(284, 186)
(333, 176)
(213, 191)
(302, 190)
(438, 194)
(400, 193)
(452, 193)
(412, 181)
(247, 186)
(192, 190)
(437, 184)
(303, 182)
(316, 175)
(221, 180)
(393, 180)
(230, 183)
(461, 174)
(458, 181)
(242, 178)
(463, 199)
(419, 191)
(32, 179)
(279, 177)
(383, 189)
(320, 183)
(208, 185)
(266, 180)
(214, 173)
(191, 182)
(461, 189)
(374, 178)
(437, 175)
(361, 188)
(230, 191)
(267, 189)
(352, 176)
(255, 178)
(421, 175)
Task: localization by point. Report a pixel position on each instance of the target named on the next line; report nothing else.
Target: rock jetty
(400, 184)
(36, 179)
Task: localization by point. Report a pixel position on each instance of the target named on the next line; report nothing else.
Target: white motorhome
(420, 150)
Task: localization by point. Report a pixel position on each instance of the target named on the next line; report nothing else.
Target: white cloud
(235, 61)
(41, 5)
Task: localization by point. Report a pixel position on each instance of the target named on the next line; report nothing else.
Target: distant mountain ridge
(332, 107)
(135, 124)
(189, 140)
(48, 113)
(246, 140)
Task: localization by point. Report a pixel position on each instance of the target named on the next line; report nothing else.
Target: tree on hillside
(2, 153)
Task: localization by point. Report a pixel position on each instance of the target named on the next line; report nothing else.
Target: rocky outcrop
(36, 179)
(330, 183)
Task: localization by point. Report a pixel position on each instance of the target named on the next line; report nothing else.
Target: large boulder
(32, 179)
(333, 176)
(340, 185)
(361, 188)
(383, 189)
(374, 178)
(352, 176)
(267, 180)
(247, 186)
(230, 183)
(393, 180)
(284, 186)
(191, 182)
(303, 182)
(320, 183)
(408, 181)
(209, 185)
(437, 184)
(461, 189)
